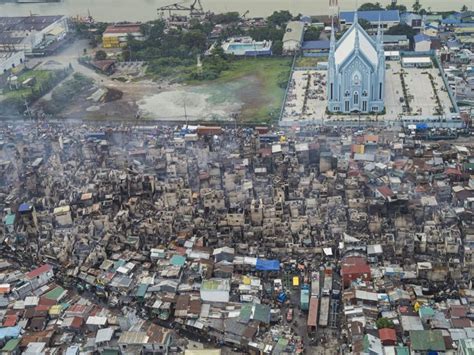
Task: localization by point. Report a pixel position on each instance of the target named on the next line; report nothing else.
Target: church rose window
(356, 79)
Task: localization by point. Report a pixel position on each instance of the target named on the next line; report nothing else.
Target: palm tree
(416, 6)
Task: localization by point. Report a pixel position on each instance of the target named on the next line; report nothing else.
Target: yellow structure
(296, 281)
(116, 36)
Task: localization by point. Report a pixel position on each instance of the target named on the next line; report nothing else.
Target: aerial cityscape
(211, 178)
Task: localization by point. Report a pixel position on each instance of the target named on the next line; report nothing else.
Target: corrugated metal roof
(294, 31)
(308, 45)
(372, 16)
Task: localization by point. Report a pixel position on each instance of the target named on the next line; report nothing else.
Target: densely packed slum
(142, 239)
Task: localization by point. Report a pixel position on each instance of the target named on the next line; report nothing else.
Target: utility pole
(28, 111)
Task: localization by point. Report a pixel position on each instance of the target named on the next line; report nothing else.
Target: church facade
(356, 72)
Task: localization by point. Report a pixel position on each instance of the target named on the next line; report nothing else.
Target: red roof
(386, 191)
(125, 28)
(355, 265)
(46, 302)
(452, 171)
(313, 312)
(77, 322)
(37, 272)
(458, 311)
(461, 323)
(10, 321)
(387, 334)
(42, 308)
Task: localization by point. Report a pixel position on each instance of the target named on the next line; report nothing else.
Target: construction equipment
(195, 9)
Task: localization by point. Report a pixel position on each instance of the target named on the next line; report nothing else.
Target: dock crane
(195, 9)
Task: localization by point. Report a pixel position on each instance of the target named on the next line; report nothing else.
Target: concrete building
(115, 36)
(27, 33)
(293, 37)
(11, 60)
(422, 43)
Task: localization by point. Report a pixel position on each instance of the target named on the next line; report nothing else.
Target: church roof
(347, 43)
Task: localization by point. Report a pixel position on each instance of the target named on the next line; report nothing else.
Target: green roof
(216, 285)
(280, 346)
(178, 260)
(9, 219)
(468, 166)
(119, 263)
(110, 352)
(11, 345)
(142, 290)
(427, 340)
(55, 293)
(245, 312)
(402, 350)
(262, 313)
(426, 312)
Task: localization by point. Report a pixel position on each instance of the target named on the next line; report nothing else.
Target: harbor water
(145, 10)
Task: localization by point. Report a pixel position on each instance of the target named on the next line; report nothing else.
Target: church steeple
(332, 47)
(356, 41)
(379, 37)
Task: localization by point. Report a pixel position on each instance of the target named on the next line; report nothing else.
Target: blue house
(315, 48)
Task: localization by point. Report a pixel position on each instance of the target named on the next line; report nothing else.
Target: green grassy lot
(42, 76)
(305, 62)
(258, 83)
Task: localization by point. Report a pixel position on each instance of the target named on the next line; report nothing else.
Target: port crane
(195, 9)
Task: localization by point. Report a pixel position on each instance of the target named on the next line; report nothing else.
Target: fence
(283, 105)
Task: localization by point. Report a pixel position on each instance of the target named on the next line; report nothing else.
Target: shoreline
(121, 10)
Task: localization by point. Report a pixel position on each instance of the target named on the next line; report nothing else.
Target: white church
(356, 72)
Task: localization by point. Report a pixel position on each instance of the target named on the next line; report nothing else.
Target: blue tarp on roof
(421, 37)
(267, 265)
(372, 16)
(421, 126)
(24, 207)
(10, 332)
(309, 45)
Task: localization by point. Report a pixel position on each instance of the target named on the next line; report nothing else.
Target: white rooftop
(347, 43)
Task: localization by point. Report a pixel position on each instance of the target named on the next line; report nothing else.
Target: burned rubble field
(126, 239)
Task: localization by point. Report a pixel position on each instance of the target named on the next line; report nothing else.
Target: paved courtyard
(307, 94)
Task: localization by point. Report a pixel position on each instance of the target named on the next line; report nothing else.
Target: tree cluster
(169, 49)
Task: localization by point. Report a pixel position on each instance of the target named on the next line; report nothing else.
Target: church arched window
(356, 98)
(347, 93)
(365, 93)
